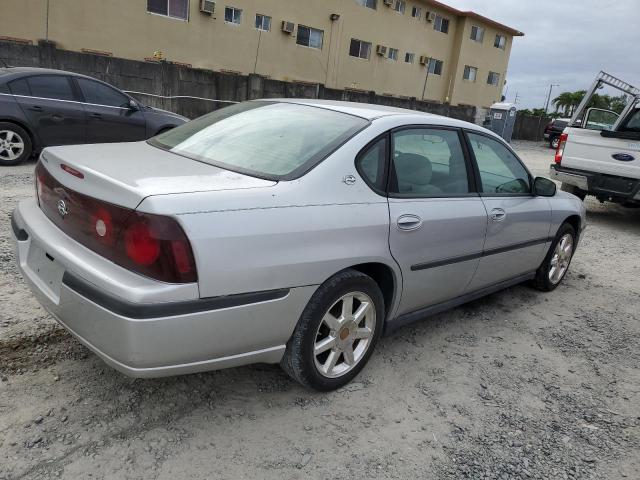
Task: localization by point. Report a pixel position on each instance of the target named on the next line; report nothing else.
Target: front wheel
(556, 263)
(336, 333)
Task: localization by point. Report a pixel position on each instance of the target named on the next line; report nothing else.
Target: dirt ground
(517, 385)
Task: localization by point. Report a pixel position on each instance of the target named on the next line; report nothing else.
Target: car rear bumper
(139, 334)
(599, 184)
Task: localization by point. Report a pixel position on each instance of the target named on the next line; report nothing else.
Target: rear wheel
(336, 333)
(578, 192)
(556, 263)
(15, 144)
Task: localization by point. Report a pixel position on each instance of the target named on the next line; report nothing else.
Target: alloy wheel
(561, 258)
(11, 145)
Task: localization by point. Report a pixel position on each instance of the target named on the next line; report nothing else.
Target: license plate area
(46, 272)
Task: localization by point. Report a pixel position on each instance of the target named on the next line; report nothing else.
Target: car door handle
(409, 222)
(95, 115)
(498, 215)
(35, 108)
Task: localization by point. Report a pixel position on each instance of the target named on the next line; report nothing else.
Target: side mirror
(600, 119)
(543, 187)
(133, 106)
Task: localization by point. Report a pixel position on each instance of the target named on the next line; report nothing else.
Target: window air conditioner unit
(207, 6)
(430, 16)
(424, 60)
(288, 27)
(381, 50)
(388, 3)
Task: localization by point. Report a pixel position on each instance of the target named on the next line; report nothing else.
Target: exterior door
(518, 222)
(50, 104)
(110, 117)
(437, 226)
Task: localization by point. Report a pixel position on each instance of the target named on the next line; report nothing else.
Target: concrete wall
(167, 79)
(127, 30)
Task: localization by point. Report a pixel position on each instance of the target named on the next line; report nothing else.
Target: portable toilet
(503, 119)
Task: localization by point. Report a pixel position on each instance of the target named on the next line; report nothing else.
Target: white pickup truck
(599, 151)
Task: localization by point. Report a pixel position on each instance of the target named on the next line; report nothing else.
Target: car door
(110, 116)
(437, 222)
(518, 222)
(51, 105)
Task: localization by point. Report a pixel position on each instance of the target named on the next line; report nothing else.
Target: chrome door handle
(409, 222)
(498, 214)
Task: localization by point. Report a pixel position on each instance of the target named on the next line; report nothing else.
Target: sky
(566, 42)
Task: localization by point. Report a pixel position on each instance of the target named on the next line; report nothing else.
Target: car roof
(17, 72)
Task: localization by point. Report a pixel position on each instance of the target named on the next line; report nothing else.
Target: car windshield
(273, 140)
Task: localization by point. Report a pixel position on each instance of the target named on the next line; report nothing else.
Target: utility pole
(546, 107)
(515, 100)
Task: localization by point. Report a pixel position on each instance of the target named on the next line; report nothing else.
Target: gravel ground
(517, 385)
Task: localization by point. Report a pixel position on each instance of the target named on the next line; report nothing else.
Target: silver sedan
(283, 231)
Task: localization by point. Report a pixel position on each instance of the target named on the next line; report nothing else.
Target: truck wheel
(554, 142)
(581, 194)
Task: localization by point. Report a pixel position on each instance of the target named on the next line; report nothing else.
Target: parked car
(41, 108)
(600, 156)
(291, 231)
(554, 129)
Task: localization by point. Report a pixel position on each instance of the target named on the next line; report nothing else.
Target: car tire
(15, 144)
(328, 348)
(554, 142)
(556, 263)
(578, 192)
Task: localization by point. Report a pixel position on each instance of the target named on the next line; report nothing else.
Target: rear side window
(273, 140)
(633, 122)
(20, 87)
(371, 164)
(56, 87)
(428, 163)
(100, 94)
(500, 171)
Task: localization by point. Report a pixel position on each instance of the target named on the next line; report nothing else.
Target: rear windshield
(273, 140)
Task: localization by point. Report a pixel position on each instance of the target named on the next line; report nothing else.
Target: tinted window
(20, 87)
(51, 86)
(101, 94)
(428, 162)
(633, 122)
(371, 163)
(500, 170)
(266, 139)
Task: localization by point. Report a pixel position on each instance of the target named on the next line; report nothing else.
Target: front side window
(265, 139)
(263, 22)
(233, 15)
(435, 66)
(169, 8)
(477, 34)
(470, 73)
(416, 12)
(500, 170)
(441, 24)
(56, 87)
(632, 124)
(309, 37)
(493, 79)
(428, 162)
(409, 57)
(100, 94)
(400, 6)
(371, 164)
(360, 48)
(392, 54)
(500, 42)
(369, 3)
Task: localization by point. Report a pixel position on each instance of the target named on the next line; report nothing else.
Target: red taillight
(72, 171)
(151, 245)
(560, 150)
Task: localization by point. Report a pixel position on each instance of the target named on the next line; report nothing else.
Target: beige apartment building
(387, 46)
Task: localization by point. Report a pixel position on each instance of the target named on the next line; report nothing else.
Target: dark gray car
(41, 108)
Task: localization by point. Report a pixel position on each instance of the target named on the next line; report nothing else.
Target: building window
(435, 66)
(309, 37)
(441, 24)
(392, 54)
(369, 3)
(416, 12)
(169, 8)
(477, 34)
(409, 57)
(360, 49)
(400, 6)
(493, 79)
(263, 22)
(233, 15)
(501, 42)
(470, 73)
